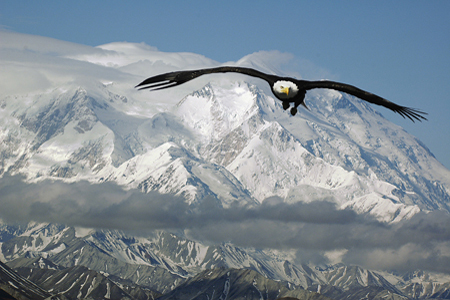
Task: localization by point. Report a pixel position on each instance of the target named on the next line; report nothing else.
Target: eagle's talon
(293, 111)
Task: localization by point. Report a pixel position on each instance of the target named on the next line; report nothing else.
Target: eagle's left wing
(171, 79)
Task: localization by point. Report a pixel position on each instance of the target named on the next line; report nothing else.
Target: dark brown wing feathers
(405, 112)
(179, 77)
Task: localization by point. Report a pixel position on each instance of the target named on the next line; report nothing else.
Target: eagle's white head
(284, 89)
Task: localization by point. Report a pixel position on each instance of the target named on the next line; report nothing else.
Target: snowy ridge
(258, 146)
(18, 286)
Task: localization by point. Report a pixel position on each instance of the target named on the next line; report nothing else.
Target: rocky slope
(165, 262)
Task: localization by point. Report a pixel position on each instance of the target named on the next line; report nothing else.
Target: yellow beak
(286, 91)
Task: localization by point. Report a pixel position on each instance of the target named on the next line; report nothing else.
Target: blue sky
(399, 50)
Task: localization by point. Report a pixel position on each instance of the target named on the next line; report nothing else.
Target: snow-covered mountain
(69, 113)
(229, 139)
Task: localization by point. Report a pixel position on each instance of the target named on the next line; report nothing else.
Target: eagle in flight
(288, 90)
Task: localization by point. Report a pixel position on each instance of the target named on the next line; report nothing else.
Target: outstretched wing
(171, 79)
(405, 112)
(179, 77)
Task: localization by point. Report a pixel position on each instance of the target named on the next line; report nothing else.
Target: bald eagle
(288, 90)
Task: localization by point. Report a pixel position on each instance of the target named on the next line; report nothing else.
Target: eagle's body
(288, 90)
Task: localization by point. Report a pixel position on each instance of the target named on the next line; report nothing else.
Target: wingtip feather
(412, 114)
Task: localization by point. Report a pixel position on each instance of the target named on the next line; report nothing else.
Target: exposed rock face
(236, 284)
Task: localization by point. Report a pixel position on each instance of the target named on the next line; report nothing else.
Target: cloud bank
(313, 229)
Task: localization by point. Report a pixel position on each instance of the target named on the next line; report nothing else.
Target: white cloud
(318, 231)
